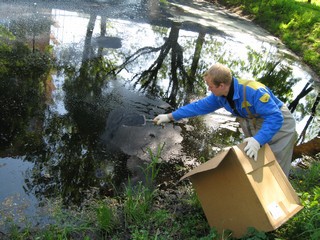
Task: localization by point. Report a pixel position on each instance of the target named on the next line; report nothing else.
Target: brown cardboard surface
(236, 192)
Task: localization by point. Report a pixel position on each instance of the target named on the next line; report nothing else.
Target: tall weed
(153, 168)
(138, 199)
(137, 204)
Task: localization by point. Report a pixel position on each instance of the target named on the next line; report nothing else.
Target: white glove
(162, 118)
(252, 148)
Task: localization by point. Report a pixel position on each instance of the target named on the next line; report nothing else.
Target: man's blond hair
(219, 73)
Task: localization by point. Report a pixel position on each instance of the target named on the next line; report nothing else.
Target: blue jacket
(262, 103)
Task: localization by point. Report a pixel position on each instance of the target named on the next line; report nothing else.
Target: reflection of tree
(308, 148)
(195, 62)
(35, 29)
(179, 77)
(84, 86)
(22, 80)
(304, 92)
(311, 117)
(73, 152)
(280, 81)
(88, 51)
(68, 155)
(311, 147)
(67, 164)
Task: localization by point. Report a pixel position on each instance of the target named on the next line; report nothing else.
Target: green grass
(296, 23)
(144, 213)
(313, 2)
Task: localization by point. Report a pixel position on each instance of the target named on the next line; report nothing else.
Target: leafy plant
(105, 217)
(152, 169)
(137, 203)
(139, 198)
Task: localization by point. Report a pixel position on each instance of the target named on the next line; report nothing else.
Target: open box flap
(211, 164)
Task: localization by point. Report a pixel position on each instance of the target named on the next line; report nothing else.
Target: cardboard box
(236, 192)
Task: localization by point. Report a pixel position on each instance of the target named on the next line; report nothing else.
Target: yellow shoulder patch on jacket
(265, 98)
(252, 84)
(255, 85)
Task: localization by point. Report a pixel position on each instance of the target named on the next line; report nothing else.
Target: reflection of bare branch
(149, 76)
(136, 55)
(293, 105)
(179, 77)
(313, 113)
(151, 73)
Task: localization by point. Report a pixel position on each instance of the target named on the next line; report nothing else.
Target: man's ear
(223, 85)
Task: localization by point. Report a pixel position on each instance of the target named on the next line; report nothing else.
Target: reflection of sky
(12, 171)
(14, 201)
(69, 27)
(58, 95)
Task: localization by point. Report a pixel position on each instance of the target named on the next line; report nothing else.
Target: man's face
(216, 90)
